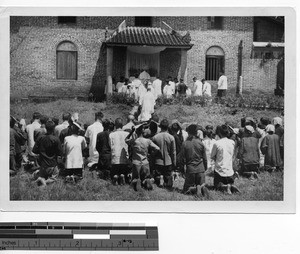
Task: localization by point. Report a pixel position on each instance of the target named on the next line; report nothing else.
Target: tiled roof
(150, 36)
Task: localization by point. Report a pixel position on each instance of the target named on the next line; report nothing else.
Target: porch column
(109, 68)
(183, 65)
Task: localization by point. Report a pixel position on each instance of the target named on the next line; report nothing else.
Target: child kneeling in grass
(140, 164)
(222, 153)
(193, 156)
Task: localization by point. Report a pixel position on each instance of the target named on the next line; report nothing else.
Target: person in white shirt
(222, 85)
(157, 87)
(119, 154)
(197, 87)
(120, 84)
(136, 83)
(123, 89)
(208, 142)
(222, 154)
(65, 117)
(167, 91)
(172, 85)
(91, 137)
(206, 88)
(30, 128)
(73, 147)
(130, 123)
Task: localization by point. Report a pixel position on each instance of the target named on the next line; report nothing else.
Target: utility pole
(240, 66)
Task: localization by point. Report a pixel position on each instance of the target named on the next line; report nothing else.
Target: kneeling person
(73, 148)
(119, 154)
(222, 153)
(48, 147)
(140, 168)
(193, 156)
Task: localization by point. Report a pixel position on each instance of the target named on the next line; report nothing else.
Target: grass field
(267, 187)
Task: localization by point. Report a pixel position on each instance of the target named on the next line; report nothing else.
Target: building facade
(73, 56)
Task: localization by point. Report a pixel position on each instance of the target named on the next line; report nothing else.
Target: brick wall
(33, 60)
(34, 40)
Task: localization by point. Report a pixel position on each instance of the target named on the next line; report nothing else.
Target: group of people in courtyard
(138, 85)
(146, 151)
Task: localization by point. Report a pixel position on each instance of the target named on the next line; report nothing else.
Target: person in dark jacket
(48, 147)
(249, 153)
(20, 137)
(270, 147)
(103, 148)
(193, 156)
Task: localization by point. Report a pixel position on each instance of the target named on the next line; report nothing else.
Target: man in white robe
(141, 93)
(135, 84)
(157, 87)
(144, 76)
(197, 87)
(148, 102)
(167, 91)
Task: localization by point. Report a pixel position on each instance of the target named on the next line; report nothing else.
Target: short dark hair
(122, 78)
(36, 115)
(44, 119)
(74, 129)
(155, 118)
(55, 120)
(118, 123)
(105, 124)
(66, 116)
(111, 125)
(207, 127)
(164, 124)
(136, 75)
(192, 129)
(223, 130)
(50, 125)
(98, 115)
(202, 80)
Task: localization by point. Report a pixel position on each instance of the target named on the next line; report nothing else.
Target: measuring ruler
(77, 236)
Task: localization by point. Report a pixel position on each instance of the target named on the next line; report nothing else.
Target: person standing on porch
(120, 84)
(144, 76)
(136, 83)
(172, 85)
(167, 91)
(157, 87)
(91, 137)
(222, 85)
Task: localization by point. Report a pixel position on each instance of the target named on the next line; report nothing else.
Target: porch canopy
(144, 45)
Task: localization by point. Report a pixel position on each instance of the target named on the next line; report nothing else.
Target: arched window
(66, 61)
(214, 63)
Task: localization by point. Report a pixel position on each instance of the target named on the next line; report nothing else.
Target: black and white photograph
(147, 107)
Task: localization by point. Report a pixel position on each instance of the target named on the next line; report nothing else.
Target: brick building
(71, 56)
